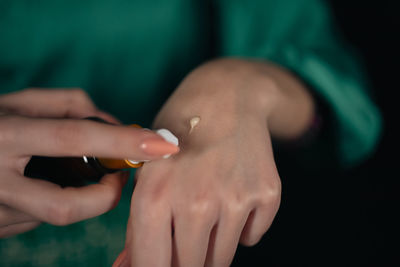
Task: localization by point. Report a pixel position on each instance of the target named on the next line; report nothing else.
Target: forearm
(225, 91)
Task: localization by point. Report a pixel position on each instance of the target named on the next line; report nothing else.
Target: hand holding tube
(48, 123)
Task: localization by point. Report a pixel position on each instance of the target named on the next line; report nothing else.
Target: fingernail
(158, 147)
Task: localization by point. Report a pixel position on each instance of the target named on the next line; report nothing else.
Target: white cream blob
(168, 136)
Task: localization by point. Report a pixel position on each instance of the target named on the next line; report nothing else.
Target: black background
(347, 218)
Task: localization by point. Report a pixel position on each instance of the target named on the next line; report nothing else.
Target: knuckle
(270, 193)
(4, 133)
(237, 204)
(7, 132)
(79, 96)
(149, 212)
(153, 200)
(5, 193)
(75, 98)
(122, 141)
(67, 135)
(149, 208)
(60, 213)
(112, 196)
(267, 200)
(78, 93)
(204, 207)
(275, 191)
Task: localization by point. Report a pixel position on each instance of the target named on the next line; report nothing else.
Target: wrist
(294, 111)
(228, 93)
(224, 93)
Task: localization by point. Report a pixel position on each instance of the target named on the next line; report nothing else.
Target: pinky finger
(257, 224)
(14, 229)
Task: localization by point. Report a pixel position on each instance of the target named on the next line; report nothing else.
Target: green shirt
(130, 55)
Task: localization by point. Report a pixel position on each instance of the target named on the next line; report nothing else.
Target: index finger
(150, 240)
(72, 137)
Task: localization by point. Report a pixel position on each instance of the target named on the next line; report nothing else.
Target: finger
(124, 258)
(121, 257)
(128, 238)
(151, 233)
(224, 239)
(108, 117)
(68, 137)
(50, 203)
(190, 241)
(36, 102)
(12, 216)
(14, 229)
(125, 262)
(257, 224)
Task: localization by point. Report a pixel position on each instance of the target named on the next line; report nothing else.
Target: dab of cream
(193, 122)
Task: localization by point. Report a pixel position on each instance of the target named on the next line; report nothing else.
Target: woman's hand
(30, 124)
(223, 187)
(195, 207)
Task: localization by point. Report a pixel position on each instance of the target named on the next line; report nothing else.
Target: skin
(223, 187)
(191, 209)
(30, 124)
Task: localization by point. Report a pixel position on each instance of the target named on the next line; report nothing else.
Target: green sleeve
(300, 35)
